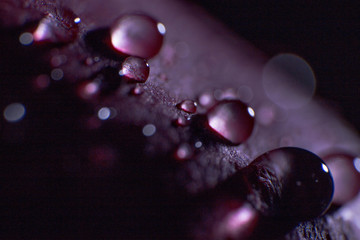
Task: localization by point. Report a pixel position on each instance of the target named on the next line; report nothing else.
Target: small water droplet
(149, 130)
(135, 69)
(14, 112)
(137, 35)
(188, 106)
(181, 122)
(231, 120)
(183, 152)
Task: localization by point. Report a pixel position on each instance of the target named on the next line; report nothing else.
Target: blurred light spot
(57, 74)
(288, 81)
(325, 168)
(183, 152)
(77, 20)
(251, 111)
(265, 115)
(58, 60)
(14, 112)
(198, 144)
(104, 113)
(206, 99)
(42, 81)
(357, 164)
(26, 38)
(182, 49)
(149, 130)
(245, 93)
(161, 28)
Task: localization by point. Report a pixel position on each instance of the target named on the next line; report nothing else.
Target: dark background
(326, 34)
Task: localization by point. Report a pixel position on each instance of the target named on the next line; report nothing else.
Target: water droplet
(26, 38)
(135, 69)
(137, 35)
(237, 223)
(231, 120)
(183, 152)
(346, 177)
(288, 183)
(14, 112)
(289, 81)
(138, 90)
(188, 106)
(181, 122)
(57, 74)
(57, 27)
(149, 130)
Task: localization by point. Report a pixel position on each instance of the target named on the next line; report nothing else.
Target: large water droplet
(346, 176)
(137, 35)
(231, 120)
(295, 183)
(135, 69)
(188, 106)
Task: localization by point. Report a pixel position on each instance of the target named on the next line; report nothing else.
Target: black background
(325, 33)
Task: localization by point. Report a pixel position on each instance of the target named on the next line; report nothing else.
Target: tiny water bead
(232, 120)
(135, 69)
(137, 35)
(188, 106)
(346, 176)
